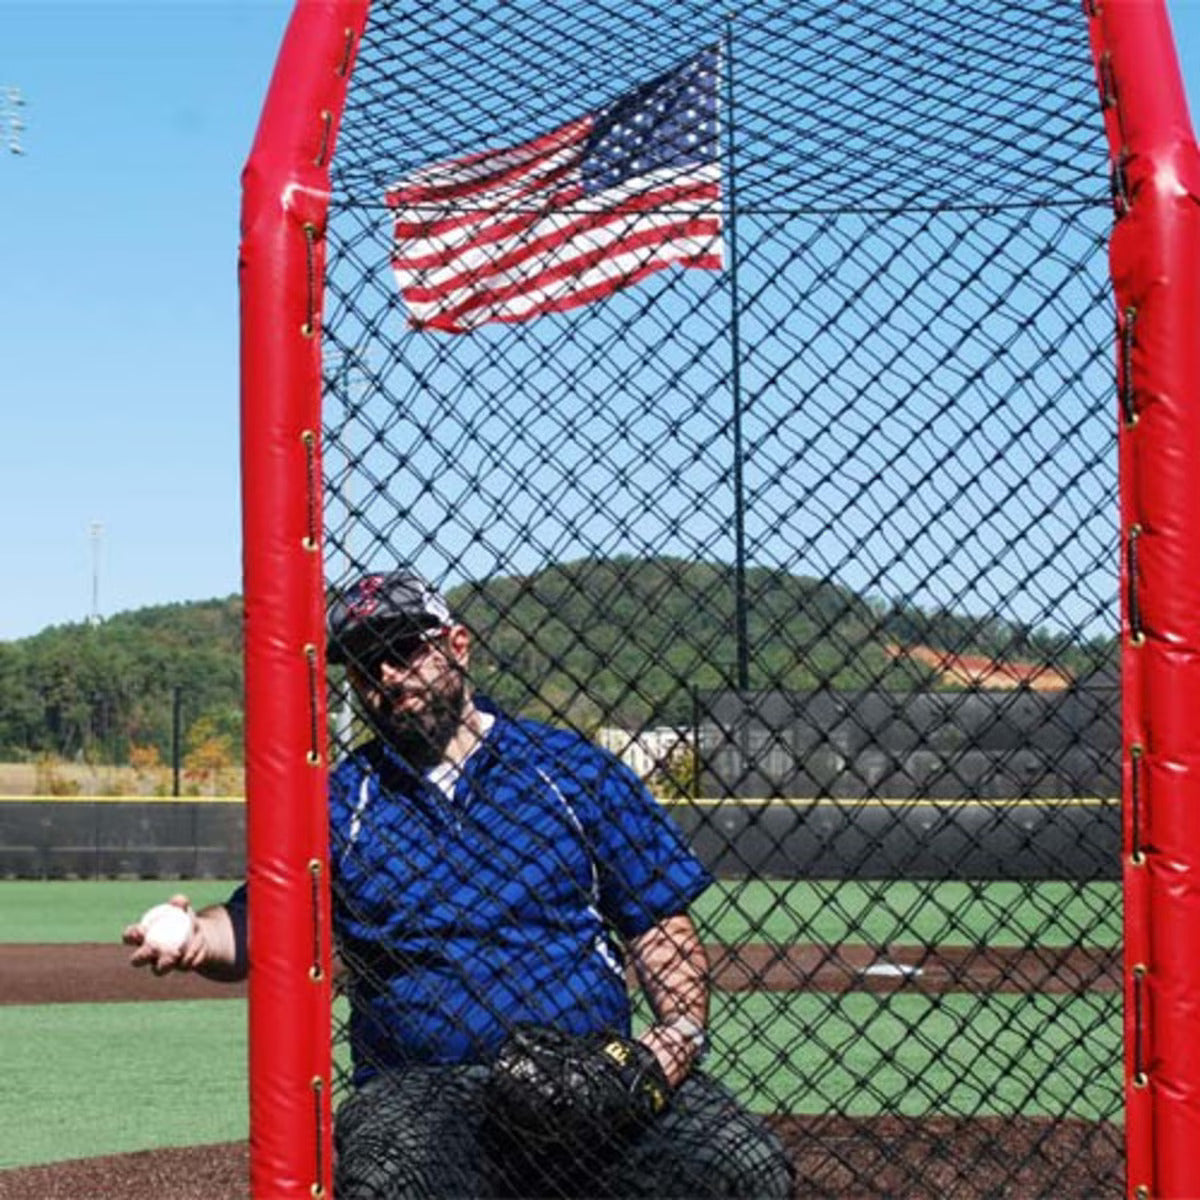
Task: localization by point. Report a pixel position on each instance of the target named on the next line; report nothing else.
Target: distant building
(645, 751)
(1013, 731)
(979, 671)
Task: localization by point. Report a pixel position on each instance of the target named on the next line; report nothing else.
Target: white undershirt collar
(445, 775)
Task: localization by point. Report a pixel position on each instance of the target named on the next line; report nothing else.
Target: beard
(420, 736)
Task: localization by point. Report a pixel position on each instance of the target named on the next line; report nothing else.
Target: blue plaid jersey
(506, 903)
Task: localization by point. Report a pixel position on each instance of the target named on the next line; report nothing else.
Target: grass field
(32, 911)
(878, 913)
(861, 1054)
(86, 1080)
(91, 1079)
(890, 912)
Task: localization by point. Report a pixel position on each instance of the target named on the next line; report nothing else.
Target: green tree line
(99, 692)
(595, 641)
(628, 640)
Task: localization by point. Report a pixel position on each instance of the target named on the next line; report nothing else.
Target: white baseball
(167, 928)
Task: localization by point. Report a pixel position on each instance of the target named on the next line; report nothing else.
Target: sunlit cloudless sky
(119, 476)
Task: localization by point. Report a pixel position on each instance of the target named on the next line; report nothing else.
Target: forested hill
(98, 690)
(642, 633)
(596, 639)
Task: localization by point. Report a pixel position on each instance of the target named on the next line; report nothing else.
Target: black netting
(820, 542)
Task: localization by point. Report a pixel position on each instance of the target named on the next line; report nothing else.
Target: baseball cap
(377, 605)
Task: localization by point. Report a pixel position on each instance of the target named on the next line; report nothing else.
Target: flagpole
(741, 620)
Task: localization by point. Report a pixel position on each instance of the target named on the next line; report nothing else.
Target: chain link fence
(814, 527)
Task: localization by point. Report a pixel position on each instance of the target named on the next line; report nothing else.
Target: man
(493, 879)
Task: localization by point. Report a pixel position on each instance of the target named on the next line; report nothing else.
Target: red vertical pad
(1155, 256)
(285, 197)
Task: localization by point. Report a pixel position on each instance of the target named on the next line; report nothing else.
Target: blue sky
(118, 296)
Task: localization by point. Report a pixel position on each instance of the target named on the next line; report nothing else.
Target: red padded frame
(281, 266)
(1155, 260)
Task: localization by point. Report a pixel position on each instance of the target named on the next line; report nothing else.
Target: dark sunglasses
(400, 651)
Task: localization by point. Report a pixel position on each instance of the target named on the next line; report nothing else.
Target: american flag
(569, 217)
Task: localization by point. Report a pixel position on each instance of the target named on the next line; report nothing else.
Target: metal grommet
(1138, 639)
(1137, 859)
(1141, 1081)
(316, 974)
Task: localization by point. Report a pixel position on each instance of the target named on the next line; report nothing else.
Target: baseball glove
(552, 1090)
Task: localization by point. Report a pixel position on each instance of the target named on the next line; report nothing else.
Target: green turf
(879, 913)
(971, 1055)
(102, 1079)
(89, 910)
(84, 1080)
(886, 912)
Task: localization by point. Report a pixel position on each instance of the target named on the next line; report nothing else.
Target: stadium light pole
(10, 118)
(340, 376)
(95, 531)
(338, 371)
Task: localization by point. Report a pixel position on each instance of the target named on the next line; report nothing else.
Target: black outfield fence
(944, 745)
(1014, 784)
(801, 839)
(831, 839)
(110, 839)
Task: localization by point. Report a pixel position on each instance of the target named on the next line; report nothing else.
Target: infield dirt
(835, 1157)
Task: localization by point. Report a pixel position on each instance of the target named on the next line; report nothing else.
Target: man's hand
(209, 950)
